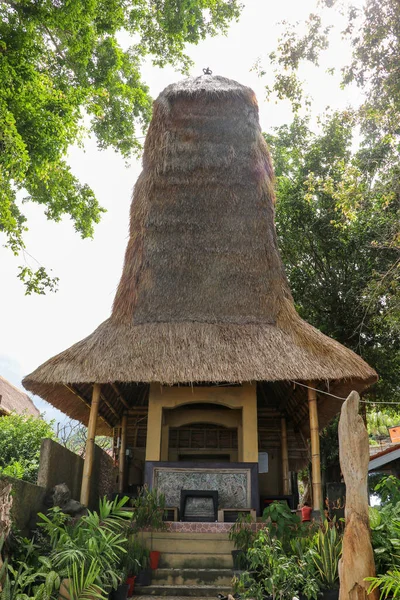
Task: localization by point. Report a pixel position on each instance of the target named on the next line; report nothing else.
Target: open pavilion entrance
(216, 429)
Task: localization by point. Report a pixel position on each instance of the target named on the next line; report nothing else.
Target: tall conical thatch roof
(203, 295)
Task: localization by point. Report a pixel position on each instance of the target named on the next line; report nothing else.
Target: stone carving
(357, 560)
(233, 486)
(61, 496)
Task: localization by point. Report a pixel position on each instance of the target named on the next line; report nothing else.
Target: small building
(386, 461)
(205, 374)
(14, 400)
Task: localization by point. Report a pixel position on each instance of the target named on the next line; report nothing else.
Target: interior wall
(270, 484)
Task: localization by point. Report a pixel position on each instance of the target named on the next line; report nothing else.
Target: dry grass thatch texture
(203, 294)
(14, 400)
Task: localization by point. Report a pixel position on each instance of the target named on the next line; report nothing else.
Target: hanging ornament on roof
(207, 71)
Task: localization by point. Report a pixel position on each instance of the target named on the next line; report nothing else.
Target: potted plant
(96, 542)
(271, 572)
(325, 552)
(131, 563)
(141, 567)
(242, 535)
(148, 513)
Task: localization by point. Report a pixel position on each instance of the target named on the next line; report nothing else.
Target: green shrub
(20, 440)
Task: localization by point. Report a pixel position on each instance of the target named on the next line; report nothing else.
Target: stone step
(177, 591)
(195, 576)
(195, 560)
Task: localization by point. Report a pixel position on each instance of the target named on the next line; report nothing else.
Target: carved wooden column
(89, 452)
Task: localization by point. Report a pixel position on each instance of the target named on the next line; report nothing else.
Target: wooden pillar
(285, 458)
(89, 452)
(315, 450)
(122, 454)
(249, 426)
(165, 442)
(240, 442)
(154, 427)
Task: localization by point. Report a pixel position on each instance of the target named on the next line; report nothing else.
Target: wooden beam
(120, 396)
(89, 453)
(107, 403)
(285, 458)
(122, 455)
(73, 391)
(315, 449)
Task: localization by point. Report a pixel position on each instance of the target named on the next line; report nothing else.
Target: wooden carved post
(357, 560)
(122, 454)
(89, 452)
(315, 450)
(285, 458)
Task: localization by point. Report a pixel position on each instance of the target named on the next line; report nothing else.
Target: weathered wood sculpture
(357, 560)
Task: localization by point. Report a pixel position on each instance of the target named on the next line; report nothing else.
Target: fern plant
(389, 584)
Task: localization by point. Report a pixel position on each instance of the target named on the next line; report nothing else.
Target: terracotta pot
(154, 559)
(131, 583)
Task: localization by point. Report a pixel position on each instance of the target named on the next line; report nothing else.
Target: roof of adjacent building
(14, 400)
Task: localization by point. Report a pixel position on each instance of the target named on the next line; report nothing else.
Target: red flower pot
(154, 559)
(131, 583)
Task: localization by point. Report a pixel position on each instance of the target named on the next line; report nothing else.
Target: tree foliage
(65, 72)
(20, 440)
(337, 214)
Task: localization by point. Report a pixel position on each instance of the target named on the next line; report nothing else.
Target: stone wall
(59, 465)
(27, 502)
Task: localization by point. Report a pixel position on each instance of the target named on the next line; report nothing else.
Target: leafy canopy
(20, 440)
(337, 213)
(64, 71)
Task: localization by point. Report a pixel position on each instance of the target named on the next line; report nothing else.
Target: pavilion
(204, 373)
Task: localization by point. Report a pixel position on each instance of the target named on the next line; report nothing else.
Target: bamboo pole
(122, 454)
(89, 453)
(73, 391)
(315, 450)
(285, 458)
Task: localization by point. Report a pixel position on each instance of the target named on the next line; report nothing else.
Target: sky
(35, 328)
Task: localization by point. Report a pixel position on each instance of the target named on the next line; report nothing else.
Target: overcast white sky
(34, 328)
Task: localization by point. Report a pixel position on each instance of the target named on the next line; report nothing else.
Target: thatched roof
(14, 400)
(203, 294)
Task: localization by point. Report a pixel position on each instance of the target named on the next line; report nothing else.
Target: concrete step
(195, 560)
(178, 576)
(176, 591)
(190, 543)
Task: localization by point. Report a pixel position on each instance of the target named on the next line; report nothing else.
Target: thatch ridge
(203, 294)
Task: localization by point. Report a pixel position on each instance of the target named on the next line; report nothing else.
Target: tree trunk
(357, 560)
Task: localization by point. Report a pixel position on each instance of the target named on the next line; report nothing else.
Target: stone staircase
(195, 565)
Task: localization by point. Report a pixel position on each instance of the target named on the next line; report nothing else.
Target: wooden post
(122, 454)
(89, 452)
(285, 458)
(315, 450)
(357, 562)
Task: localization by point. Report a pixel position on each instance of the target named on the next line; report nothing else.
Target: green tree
(64, 72)
(20, 440)
(336, 215)
(374, 35)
